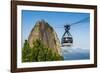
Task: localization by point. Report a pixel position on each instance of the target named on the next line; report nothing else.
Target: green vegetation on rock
(38, 53)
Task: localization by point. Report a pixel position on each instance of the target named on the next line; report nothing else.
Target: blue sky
(80, 32)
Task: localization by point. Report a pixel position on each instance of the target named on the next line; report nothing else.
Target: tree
(26, 51)
(39, 53)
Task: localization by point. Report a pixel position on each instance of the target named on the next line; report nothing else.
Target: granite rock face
(44, 32)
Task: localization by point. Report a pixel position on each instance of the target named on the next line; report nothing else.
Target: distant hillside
(44, 32)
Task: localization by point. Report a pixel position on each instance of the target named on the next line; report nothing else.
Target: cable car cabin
(67, 41)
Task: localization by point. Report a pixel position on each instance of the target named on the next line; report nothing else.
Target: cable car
(67, 41)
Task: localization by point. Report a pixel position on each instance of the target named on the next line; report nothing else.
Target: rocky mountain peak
(44, 32)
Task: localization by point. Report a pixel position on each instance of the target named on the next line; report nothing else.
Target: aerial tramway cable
(67, 39)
